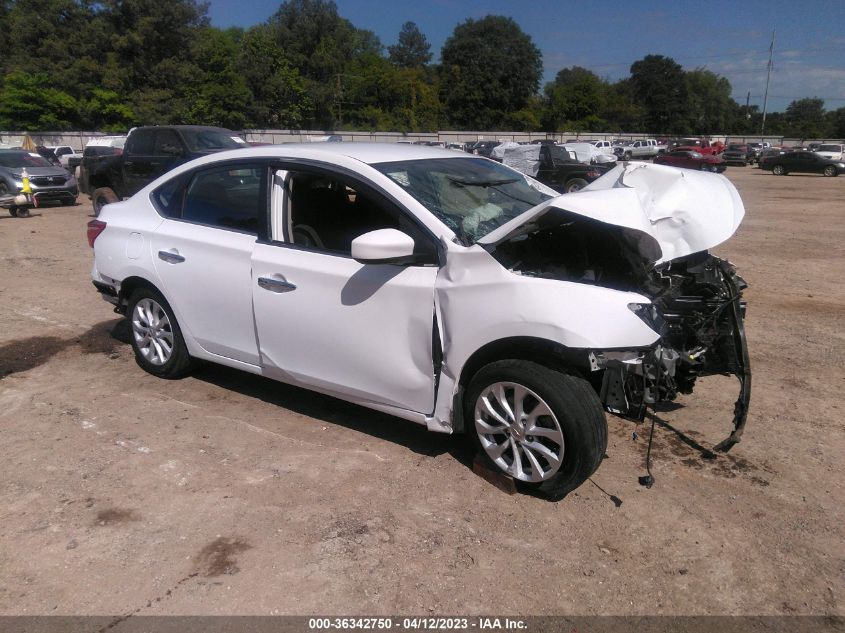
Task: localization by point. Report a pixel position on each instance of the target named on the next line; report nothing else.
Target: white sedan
(443, 288)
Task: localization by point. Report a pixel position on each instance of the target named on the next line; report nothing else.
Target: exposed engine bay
(696, 308)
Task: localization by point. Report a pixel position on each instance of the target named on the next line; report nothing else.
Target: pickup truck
(553, 166)
(149, 152)
(646, 148)
(64, 154)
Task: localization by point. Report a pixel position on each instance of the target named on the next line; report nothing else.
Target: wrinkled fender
(478, 302)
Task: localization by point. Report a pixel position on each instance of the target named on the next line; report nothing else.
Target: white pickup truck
(646, 148)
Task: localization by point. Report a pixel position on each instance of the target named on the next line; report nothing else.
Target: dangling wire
(648, 479)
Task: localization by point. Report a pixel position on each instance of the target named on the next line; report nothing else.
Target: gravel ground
(224, 493)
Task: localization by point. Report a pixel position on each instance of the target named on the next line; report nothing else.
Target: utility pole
(768, 77)
(747, 112)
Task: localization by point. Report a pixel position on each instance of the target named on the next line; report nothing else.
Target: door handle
(171, 258)
(275, 285)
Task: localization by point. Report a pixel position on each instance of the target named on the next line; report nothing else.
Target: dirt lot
(226, 493)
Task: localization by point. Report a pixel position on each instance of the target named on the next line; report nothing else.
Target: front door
(324, 320)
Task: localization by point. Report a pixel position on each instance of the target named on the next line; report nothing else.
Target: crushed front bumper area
(635, 379)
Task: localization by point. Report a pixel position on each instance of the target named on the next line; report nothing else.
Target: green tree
(103, 109)
(279, 98)
(622, 111)
(412, 50)
(320, 44)
(805, 118)
(28, 103)
(836, 123)
(658, 83)
(710, 106)
(490, 69)
(575, 100)
(381, 96)
(217, 92)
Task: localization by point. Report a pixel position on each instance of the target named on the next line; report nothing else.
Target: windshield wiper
(480, 183)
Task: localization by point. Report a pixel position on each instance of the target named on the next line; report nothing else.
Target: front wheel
(576, 184)
(830, 171)
(778, 170)
(545, 429)
(156, 338)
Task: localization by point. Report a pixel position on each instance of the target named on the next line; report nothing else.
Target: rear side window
(167, 199)
(228, 197)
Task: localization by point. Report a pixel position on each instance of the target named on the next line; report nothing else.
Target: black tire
(778, 170)
(628, 156)
(576, 184)
(576, 407)
(13, 211)
(23, 212)
(101, 197)
(179, 362)
(830, 171)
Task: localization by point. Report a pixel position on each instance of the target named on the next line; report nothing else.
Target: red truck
(700, 145)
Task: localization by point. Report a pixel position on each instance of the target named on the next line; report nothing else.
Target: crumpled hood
(676, 212)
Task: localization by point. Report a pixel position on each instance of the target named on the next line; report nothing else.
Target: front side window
(227, 197)
(326, 213)
(470, 196)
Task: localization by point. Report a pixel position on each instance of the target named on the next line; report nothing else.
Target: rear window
(830, 148)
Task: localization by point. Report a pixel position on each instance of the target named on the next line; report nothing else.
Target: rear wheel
(13, 211)
(545, 429)
(156, 338)
(101, 197)
(576, 184)
(778, 170)
(830, 171)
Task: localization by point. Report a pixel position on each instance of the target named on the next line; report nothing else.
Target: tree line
(114, 64)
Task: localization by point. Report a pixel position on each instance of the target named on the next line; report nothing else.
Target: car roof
(369, 153)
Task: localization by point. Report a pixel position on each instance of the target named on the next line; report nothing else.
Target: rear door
(203, 253)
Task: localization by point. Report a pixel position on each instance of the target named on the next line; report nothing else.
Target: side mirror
(384, 246)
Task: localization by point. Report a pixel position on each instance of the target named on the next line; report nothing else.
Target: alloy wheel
(519, 431)
(152, 331)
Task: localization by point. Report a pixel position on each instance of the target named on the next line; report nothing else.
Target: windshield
(470, 196)
(211, 140)
(830, 148)
(22, 159)
(736, 148)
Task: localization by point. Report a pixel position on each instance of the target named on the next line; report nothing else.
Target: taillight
(593, 174)
(95, 227)
(117, 151)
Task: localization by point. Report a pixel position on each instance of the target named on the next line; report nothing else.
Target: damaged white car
(445, 289)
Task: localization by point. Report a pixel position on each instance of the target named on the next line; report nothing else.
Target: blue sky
(606, 36)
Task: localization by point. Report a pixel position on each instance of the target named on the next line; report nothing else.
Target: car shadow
(331, 410)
